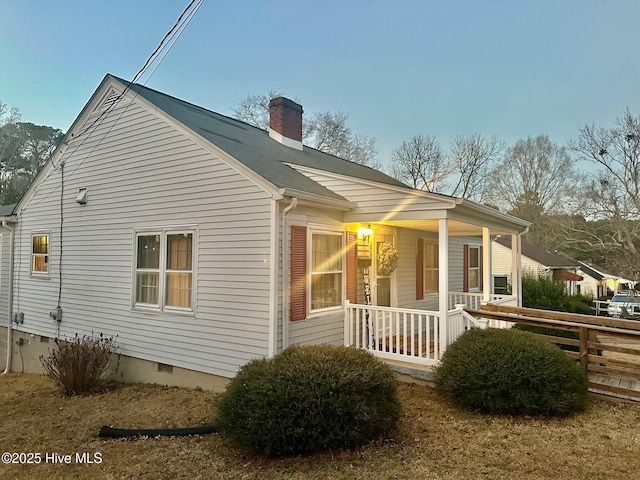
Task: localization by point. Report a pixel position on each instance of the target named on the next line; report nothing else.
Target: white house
(203, 242)
(534, 259)
(599, 282)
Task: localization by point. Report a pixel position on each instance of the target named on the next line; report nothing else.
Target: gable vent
(108, 100)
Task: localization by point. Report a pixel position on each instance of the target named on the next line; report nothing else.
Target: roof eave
(343, 205)
(525, 225)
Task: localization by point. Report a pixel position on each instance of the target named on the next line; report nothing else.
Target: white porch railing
(403, 334)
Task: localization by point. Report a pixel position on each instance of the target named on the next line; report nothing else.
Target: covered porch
(412, 310)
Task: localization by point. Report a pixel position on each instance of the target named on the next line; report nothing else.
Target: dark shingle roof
(255, 149)
(7, 210)
(548, 259)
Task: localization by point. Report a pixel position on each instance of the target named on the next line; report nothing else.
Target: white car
(630, 301)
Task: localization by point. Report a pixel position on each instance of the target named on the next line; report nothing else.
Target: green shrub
(308, 399)
(83, 364)
(540, 290)
(513, 372)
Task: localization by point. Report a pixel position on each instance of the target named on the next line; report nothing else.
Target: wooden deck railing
(605, 347)
(474, 299)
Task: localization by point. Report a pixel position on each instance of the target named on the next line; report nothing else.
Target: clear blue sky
(398, 68)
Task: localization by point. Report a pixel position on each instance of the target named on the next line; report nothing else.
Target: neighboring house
(536, 260)
(203, 242)
(600, 283)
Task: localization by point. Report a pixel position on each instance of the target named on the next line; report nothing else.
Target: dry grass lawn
(435, 440)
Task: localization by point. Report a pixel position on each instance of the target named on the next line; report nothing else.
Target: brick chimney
(285, 122)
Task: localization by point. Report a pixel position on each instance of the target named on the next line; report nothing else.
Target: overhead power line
(159, 54)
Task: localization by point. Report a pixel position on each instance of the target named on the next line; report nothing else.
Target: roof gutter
(315, 199)
(7, 369)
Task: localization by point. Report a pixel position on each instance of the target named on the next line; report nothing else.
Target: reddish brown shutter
(352, 267)
(298, 273)
(419, 269)
(480, 266)
(465, 268)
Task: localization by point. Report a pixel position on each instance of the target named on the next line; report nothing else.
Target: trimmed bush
(541, 290)
(513, 372)
(310, 398)
(83, 364)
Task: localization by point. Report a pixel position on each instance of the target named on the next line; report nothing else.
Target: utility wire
(172, 36)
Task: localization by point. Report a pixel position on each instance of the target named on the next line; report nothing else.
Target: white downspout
(7, 369)
(285, 269)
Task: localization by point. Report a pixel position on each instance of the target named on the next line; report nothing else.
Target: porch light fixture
(364, 233)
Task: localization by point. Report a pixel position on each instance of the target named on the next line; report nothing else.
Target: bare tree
(617, 151)
(420, 163)
(254, 108)
(472, 158)
(324, 131)
(535, 177)
(612, 201)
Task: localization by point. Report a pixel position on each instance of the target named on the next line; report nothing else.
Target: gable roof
(548, 259)
(595, 272)
(254, 148)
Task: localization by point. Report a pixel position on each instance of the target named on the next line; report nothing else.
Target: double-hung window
(326, 270)
(164, 270)
(473, 266)
(40, 254)
(316, 270)
(431, 267)
(500, 284)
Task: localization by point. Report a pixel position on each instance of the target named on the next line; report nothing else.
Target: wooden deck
(614, 386)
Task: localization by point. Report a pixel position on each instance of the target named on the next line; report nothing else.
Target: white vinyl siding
(142, 173)
(501, 261)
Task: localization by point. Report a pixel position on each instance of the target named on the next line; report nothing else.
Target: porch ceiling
(457, 228)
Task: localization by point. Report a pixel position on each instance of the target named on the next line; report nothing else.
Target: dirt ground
(434, 441)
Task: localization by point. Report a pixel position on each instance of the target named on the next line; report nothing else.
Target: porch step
(419, 372)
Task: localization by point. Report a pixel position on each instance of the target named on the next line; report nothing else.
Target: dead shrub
(82, 365)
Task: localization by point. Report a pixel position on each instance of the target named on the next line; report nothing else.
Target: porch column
(443, 282)
(487, 287)
(516, 267)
